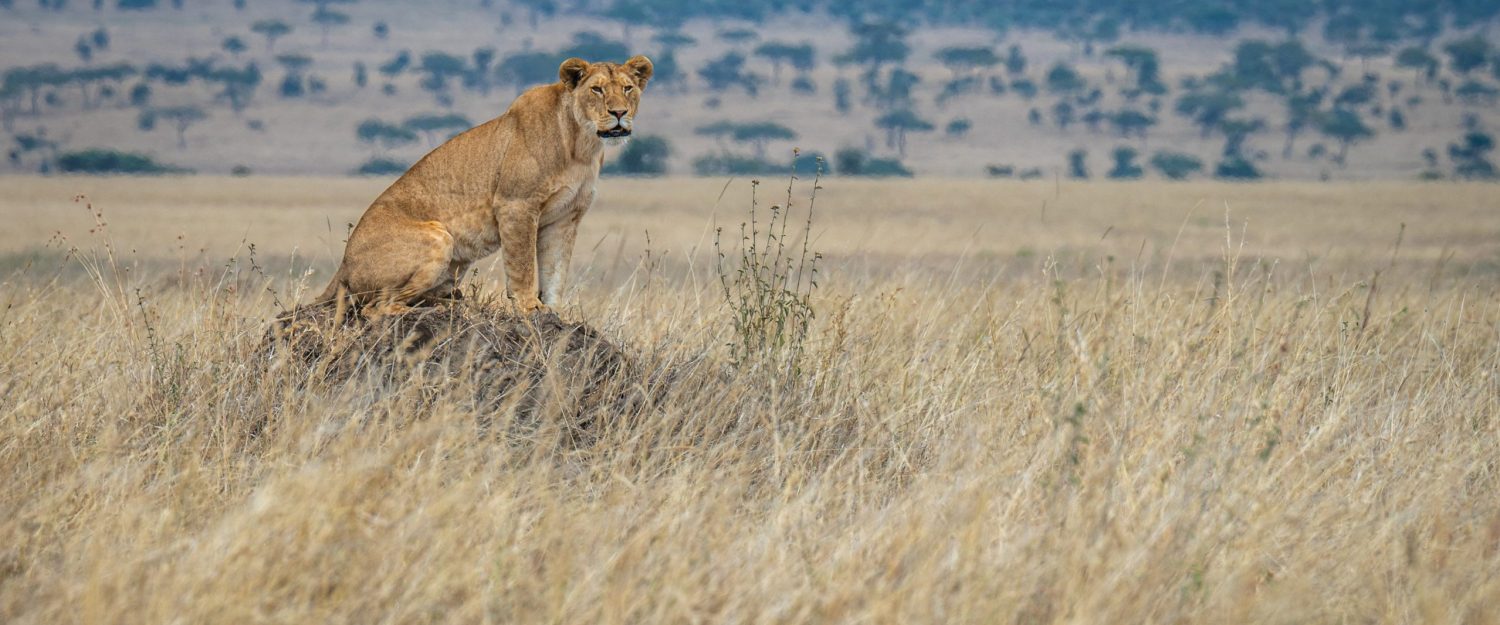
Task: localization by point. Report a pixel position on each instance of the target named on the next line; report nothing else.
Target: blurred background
(1160, 89)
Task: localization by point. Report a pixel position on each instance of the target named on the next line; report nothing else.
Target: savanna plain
(1027, 402)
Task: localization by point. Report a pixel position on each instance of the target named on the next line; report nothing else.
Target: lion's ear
(572, 72)
(641, 66)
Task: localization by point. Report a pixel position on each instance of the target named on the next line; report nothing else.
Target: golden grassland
(1019, 402)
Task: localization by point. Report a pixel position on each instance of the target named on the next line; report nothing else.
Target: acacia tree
(897, 123)
(328, 20)
(758, 133)
(181, 118)
(1345, 127)
(719, 130)
(271, 30)
(430, 126)
(524, 69)
(384, 135)
(1301, 111)
(966, 61)
(1420, 61)
(437, 69)
(234, 46)
(781, 53)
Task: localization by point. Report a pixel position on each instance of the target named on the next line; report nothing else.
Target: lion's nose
(619, 114)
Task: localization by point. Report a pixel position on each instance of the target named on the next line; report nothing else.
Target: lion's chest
(571, 193)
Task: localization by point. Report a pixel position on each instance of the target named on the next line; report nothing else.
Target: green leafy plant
(768, 283)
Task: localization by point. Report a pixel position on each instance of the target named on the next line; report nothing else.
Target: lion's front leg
(518, 238)
(554, 254)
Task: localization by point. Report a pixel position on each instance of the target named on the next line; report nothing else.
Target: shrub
(1176, 165)
(642, 156)
(768, 284)
(1236, 168)
(98, 161)
(857, 162)
(381, 167)
(735, 165)
(1125, 167)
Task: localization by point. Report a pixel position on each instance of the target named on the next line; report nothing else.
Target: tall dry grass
(1238, 439)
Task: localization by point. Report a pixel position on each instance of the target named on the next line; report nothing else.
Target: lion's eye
(629, 88)
(598, 91)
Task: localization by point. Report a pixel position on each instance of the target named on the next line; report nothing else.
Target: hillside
(974, 100)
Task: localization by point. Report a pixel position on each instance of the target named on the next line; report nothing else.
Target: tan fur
(519, 183)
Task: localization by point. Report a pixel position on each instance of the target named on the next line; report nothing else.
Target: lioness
(519, 183)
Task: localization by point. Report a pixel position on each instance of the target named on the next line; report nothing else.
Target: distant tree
(1237, 132)
(729, 71)
(181, 118)
(1063, 114)
(1471, 156)
(1211, 19)
(1397, 120)
(82, 48)
(1142, 68)
(738, 36)
(328, 20)
(1015, 61)
(1208, 108)
(383, 135)
(1063, 79)
(361, 75)
(1301, 111)
(592, 46)
(1475, 93)
(1176, 165)
(643, 156)
(1237, 167)
(140, 95)
(271, 30)
(438, 68)
(379, 166)
(719, 131)
(1345, 30)
(965, 61)
(758, 133)
(1345, 127)
(667, 73)
(673, 39)
(958, 127)
(780, 54)
(234, 46)
(877, 44)
(101, 161)
(1469, 54)
(292, 84)
(1024, 88)
(897, 123)
(1129, 122)
(478, 76)
(1125, 167)
(857, 162)
(237, 85)
(841, 93)
(1355, 96)
(537, 9)
(381, 30)
(1078, 168)
(432, 126)
(527, 69)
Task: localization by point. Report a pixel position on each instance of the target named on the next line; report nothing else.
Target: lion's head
(606, 95)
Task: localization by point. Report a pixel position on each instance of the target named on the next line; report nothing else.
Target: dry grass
(1295, 421)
